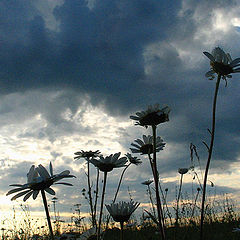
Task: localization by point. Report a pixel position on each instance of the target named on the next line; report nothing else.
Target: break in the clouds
(73, 71)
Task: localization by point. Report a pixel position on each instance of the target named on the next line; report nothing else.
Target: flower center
(121, 218)
(153, 118)
(221, 68)
(146, 149)
(106, 167)
(42, 185)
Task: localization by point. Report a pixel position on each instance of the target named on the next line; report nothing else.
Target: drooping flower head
(87, 154)
(39, 179)
(122, 211)
(132, 159)
(147, 182)
(182, 170)
(152, 116)
(145, 146)
(221, 64)
(108, 163)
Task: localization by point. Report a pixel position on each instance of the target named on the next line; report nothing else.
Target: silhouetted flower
(152, 116)
(122, 211)
(87, 154)
(222, 64)
(106, 164)
(182, 170)
(146, 146)
(39, 179)
(147, 182)
(132, 159)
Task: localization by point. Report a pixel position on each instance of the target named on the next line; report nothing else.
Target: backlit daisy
(145, 146)
(221, 64)
(39, 179)
(132, 159)
(152, 116)
(106, 164)
(122, 211)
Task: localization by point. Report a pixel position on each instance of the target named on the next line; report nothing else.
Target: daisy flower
(152, 116)
(221, 64)
(147, 182)
(87, 154)
(145, 146)
(122, 211)
(108, 163)
(132, 159)
(182, 170)
(39, 179)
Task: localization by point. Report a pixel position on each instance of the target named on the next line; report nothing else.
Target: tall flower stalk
(181, 171)
(153, 116)
(222, 65)
(106, 164)
(88, 155)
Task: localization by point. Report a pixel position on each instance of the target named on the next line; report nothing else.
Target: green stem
(47, 213)
(209, 155)
(155, 175)
(150, 196)
(101, 208)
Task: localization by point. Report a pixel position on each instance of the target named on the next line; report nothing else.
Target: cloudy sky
(72, 72)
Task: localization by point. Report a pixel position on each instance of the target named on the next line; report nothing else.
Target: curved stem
(209, 154)
(120, 181)
(155, 175)
(47, 213)
(101, 208)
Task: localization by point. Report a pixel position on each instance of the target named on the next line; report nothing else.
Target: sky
(72, 72)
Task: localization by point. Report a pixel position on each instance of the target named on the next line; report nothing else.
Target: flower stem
(120, 181)
(96, 198)
(90, 192)
(101, 208)
(155, 176)
(209, 154)
(178, 198)
(47, 213)
(121, 236)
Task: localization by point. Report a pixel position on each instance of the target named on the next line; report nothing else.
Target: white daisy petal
(50, 191)
(19, 195)
(26, 197)
(209, 56)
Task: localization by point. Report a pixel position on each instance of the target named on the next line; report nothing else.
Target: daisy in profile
(147, 182)
(121, 212)
(145, 146)
(39, 180)
(154, 115)
(87, 154)
(221, 64)
(108, 163)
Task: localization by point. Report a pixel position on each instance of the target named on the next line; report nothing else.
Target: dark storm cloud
(120, 52)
